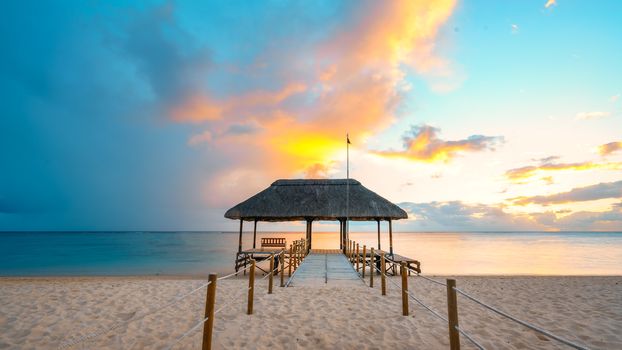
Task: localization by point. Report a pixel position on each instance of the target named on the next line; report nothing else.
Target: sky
(161, 115)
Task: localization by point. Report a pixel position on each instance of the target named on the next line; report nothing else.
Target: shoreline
(201, 277)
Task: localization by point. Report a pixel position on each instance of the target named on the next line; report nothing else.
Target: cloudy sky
(473, 115)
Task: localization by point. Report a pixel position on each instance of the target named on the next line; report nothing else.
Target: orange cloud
(202, 108)
(421, 143)
(609, 148)
(550, 3)
(526, 172)
(352, 82)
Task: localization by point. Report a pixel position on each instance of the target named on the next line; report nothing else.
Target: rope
(427, 307)
(526, 324)
(187, 333)
(235, 273)
(122, 323)
(430, 279)
(229, 301)
(466, 335)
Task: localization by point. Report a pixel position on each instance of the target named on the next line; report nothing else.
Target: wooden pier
(325, 268)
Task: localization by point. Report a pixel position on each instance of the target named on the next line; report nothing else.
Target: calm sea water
(198, 253)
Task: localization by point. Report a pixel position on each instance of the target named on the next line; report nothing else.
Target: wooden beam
(378, 234)
(390, 238)
(255, 234)
(240, 239)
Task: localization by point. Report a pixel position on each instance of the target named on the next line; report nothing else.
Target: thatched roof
(293, 200)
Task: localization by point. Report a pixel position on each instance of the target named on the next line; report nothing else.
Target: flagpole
(347, 186)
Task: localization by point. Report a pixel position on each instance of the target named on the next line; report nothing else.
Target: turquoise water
(198, 253)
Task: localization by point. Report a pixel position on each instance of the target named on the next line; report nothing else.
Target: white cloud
(592, 115)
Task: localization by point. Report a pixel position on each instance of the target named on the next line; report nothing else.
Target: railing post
(289, 268)
(372, 269)
(364, 259)
(404, 289)
(271, 277)
(209, 312)
(282, 262)
(383, 280)
(251, 288)
(358, 252)
(452, 315)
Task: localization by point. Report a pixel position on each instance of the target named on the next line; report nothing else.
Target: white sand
(49, 312)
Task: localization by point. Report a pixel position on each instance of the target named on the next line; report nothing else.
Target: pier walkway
(328, 268)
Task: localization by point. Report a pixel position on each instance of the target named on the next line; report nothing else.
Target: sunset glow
(470, 115)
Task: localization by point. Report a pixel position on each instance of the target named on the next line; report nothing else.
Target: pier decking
(328, 268)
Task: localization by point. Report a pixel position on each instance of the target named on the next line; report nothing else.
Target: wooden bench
(273, 243)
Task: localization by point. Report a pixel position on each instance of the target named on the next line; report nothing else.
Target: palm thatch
(293, 200)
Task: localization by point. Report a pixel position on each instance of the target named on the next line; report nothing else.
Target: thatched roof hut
(295, 200)
(312, 200)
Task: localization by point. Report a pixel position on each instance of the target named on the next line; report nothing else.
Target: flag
(348, 139)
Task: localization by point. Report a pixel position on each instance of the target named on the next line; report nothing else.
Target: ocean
(199, 253)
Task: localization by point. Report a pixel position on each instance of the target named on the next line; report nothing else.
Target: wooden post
(282, 262)
(310, 234)
(340, 236)
(390, 238)
(378, 234)
(240, 239)
(255, 234)
(364, 259)
(271, 277)
(383, 269)
(404, 290)
(358, 252)
(290, 261)
(209, 312)
(372, 269)
(251, 288)
(452, 315)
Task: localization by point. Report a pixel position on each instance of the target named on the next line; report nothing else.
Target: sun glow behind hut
(313, 200)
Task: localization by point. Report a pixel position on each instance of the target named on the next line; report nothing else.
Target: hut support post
(309, 234)
(255, 234)
(240, 239)
(358, 257)
(390, 238)
(340, 235)
(378, 221)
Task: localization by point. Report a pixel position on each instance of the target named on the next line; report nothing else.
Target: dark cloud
(580, 194)
(457, 215)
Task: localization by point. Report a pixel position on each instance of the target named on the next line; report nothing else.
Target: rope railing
(468, 336)
(353, 254)
(116, 325)
(524, 323)
(296, 256)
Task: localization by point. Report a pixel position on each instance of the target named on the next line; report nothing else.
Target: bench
(273, 243)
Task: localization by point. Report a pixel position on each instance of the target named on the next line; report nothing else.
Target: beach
(127, 313)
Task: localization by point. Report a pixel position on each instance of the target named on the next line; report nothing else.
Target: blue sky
(161, 115)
